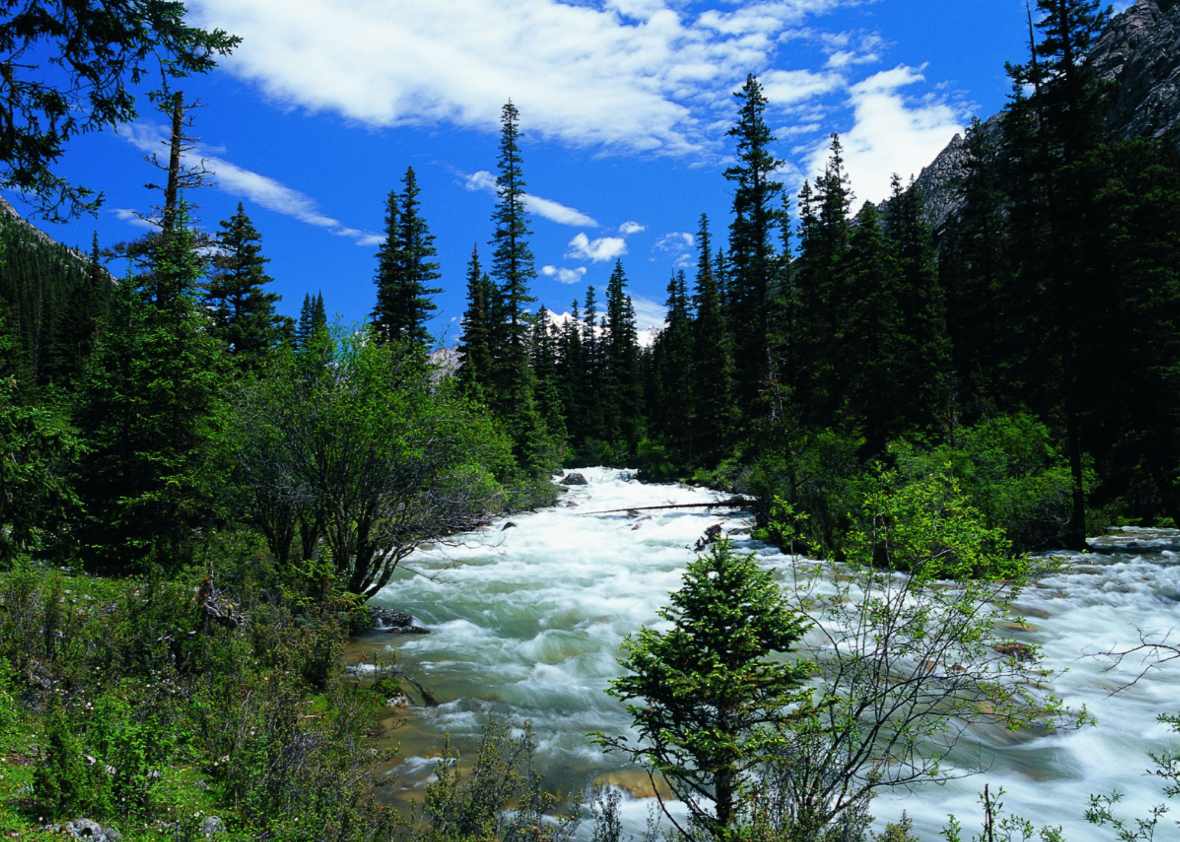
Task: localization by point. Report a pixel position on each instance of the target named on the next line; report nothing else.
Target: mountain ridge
(1138, 56)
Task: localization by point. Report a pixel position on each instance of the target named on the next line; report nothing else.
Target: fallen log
(731, 503)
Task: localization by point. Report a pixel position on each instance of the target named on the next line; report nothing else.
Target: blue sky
(624, 105)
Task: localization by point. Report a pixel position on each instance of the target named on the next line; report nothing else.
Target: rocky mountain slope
(1138, 55)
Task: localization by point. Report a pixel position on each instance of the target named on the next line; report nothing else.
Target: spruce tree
(571, 372)
(818, 281)
(548, 387)
(405, 269)
(622, 392)
(870, 359)
(712, 363)
(243, 312)
(923, 373)
(147, 416)
(512, 263)
(671, 404)
(757, 202)
(475, 348)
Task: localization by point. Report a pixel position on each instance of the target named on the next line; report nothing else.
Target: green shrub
(1010, 470)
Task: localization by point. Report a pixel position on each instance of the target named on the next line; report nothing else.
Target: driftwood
(731, 503)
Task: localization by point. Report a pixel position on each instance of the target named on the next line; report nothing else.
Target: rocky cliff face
(1138, 55)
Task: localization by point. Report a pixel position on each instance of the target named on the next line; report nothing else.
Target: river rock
(395, 622)
(389, 618)
(1017, 651)
(575, 479)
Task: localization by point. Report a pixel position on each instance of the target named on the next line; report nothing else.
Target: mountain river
(527, 622)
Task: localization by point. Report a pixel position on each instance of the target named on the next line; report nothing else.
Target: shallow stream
(527, 622)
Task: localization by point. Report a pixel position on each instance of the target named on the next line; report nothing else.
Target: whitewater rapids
(527, 624)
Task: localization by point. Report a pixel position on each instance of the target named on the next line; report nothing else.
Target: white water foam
(527, 623)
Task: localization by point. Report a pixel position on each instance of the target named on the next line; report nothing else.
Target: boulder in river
(395, 622)
(1016, 651)
(575, 479)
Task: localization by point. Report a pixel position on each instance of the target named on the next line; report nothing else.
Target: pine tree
(312, 319)
(571, 371)
(512, 263)
(243, 313)
(475, 349)
(818, 280)
(756, 208)
(592, 385)
(925, 349)
(982, 311)
(712, 369)
(870, 357)
(405, 270)
(622, 392)
(146, 416)
(671, 404)
(80, 322)
(1061, 127)
(548, 388)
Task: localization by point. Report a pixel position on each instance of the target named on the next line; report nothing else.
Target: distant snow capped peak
(645, 336)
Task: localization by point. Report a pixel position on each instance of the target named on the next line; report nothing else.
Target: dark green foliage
(54, 301)
(148, 417)
(476, 348)
(405, 270)
(707, 702)
(512, 269)
(36, 498)
(621, 391)
(313, 320)
(752, 261)
(712, 362)
(243, 312)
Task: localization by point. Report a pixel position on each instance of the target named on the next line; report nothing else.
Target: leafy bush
(1010, 470)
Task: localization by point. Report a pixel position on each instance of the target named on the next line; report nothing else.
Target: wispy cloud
(132, 217)
(545, 208)
(629, 228)
(678, 245)
(648, 313)
(263, 190)
(563, 275)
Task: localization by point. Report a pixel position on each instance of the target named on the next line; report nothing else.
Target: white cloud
(601, 250)
(545, 208)
(789, 87)
(622, 75)
(891, 133)
(132, 217)
(261, 189)
(629, 228)
(648, 313)
(563, 275)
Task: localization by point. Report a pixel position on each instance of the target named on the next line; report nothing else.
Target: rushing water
(527, 623)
